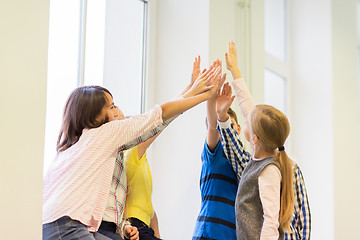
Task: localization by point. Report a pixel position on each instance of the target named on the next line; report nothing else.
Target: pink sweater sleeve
(123, 131)
(243, 96)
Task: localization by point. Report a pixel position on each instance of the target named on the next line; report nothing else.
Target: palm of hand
(231, 57)
(222, 103)
(200, 85)
(224, 100)
(196, 70)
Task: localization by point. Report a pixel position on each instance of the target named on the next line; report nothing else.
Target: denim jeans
(108, 229)
(67, 229)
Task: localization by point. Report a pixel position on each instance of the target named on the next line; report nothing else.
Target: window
(62, 67)
(94, 43)
(275, 86)
(276, 60)
(124, 55)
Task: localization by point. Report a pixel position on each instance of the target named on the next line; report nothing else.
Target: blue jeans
(67, 229)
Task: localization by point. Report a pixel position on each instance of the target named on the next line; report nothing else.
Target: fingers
(230, 101)
(134, 233)
(214, 77)
(228, 91)
(224, 90)
(211, 74)
(196, 69)
(222, 80)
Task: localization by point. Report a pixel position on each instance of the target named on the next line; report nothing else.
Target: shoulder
(207, 153)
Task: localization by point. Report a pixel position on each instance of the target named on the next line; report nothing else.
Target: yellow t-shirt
(138, 199)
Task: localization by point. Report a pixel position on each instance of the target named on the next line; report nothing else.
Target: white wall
(23, 60)
(311, 108)
(345, 119)
(325, 112)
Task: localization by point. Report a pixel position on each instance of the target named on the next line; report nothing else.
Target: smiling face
(117, 114)
(109, 112)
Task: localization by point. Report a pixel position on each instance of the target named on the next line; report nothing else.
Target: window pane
(358, 22)
(275, 24)
(275, 90)
(94, 43)
(124, 53)
(62, 67)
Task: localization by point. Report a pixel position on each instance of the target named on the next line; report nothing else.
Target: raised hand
(217, 82)
(196, 70)
(223, 102)
(231, 61)
(204, 82)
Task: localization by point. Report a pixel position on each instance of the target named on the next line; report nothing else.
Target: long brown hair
(272, 128)
(82, 107)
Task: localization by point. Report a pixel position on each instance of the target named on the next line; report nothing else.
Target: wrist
(186, 91)
(235, 72)
(187, 94)
(223, 116)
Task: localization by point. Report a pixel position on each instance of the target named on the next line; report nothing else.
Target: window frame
(282, 68)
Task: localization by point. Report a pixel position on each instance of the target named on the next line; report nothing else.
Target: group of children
(100, 175)
(270, 199)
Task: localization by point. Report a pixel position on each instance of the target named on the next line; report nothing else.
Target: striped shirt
(78, 181)
(218, 186)
(238, 158)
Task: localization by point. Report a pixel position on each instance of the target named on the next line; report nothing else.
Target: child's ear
(239, 128)
(255, 139)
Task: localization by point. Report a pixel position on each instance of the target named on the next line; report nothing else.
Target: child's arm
(302, 223)
(269, 183)
(243, 95)
(213, 135)
(230, 139)
(233, 148)
(155, 225)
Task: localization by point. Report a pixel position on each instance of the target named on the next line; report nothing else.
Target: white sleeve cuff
(226, 124)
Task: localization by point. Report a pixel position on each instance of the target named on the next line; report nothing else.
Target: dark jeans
(67, 229)
(108, 229)
(145, 232)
